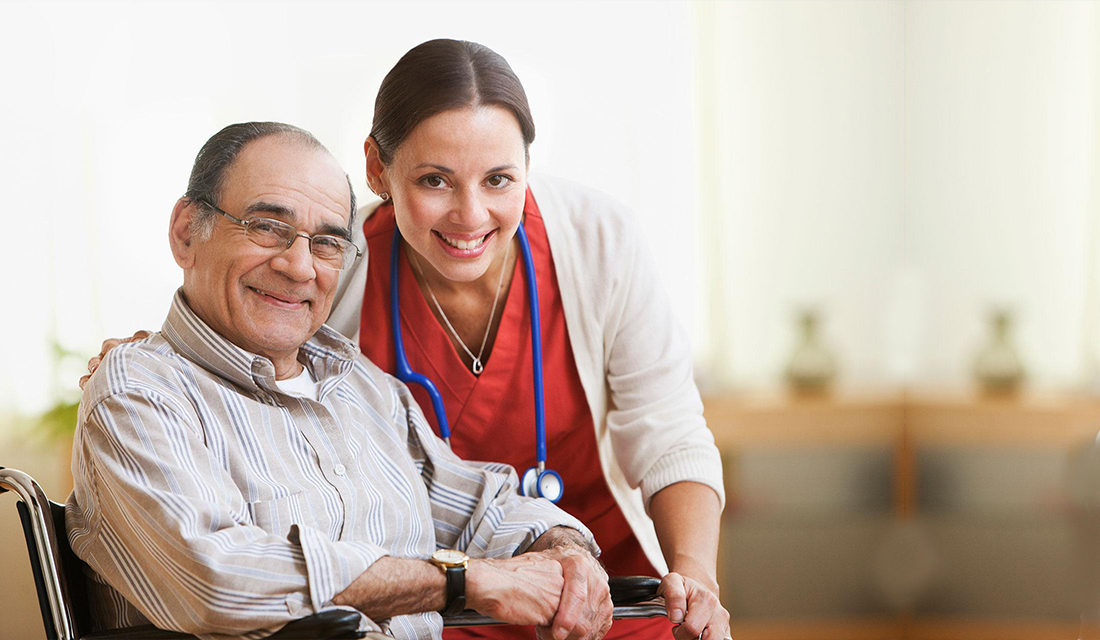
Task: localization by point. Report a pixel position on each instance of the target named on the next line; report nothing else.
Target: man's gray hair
(217, 155)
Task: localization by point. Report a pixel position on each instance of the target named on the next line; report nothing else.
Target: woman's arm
(686, 516)
(659, 433)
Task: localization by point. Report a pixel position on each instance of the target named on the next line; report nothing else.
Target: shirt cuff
(332, 566)
(568, 521)
(687, 465)
(524, 525)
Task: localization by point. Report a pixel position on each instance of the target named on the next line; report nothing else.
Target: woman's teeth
(464, 245)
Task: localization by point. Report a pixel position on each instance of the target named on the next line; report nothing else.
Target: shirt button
(339, 469)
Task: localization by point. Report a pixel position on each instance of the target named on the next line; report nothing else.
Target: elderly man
(246, 466)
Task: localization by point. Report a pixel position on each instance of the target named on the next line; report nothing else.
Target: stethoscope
(538, 481)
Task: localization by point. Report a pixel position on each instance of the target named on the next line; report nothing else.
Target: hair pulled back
(440, 75)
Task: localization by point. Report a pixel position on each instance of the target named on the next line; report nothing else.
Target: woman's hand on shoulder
(109, 344)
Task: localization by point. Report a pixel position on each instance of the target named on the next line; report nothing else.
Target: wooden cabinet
(902, 515)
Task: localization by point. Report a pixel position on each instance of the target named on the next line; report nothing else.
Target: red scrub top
(492, 416)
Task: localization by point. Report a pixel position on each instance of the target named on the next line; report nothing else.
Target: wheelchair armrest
(627, 590)
(334, 624)
(633, 597)
(139, 632)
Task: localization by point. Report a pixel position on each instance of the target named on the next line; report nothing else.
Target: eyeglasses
(329, 251)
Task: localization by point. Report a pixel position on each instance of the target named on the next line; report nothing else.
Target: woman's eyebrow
(440, 168)
(503, 167)
(437, 167)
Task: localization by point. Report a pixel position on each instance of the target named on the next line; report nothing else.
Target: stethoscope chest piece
(545, 483)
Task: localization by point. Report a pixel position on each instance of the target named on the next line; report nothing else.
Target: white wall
(808, 141)
(1001, 131)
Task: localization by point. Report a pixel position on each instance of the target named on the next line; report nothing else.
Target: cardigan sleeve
(655, 414)
(347, 306)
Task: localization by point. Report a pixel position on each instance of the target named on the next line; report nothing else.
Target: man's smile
(283, 300)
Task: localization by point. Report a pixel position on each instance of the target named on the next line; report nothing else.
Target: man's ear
(179, 232)
(377, 179)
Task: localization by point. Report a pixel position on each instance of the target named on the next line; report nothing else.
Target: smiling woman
(461, 173)
(621, 418)
(461, 177)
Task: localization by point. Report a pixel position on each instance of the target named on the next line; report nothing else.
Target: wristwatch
(453, 564)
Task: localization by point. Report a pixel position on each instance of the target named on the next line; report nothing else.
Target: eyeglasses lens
(329, 251)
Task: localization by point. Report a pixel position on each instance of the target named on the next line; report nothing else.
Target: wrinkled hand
(109, 344)
(523, 590)
(586, 607)
(694, 609)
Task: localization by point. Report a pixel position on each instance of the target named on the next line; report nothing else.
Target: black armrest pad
(632, 589)
(140, 632)
(334, 624)
(633, 597)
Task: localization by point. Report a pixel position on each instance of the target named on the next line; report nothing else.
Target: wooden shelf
(776, 419)
(907, 424)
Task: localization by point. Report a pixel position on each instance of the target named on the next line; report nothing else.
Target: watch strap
(456, 591)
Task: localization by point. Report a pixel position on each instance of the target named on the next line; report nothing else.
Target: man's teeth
(464, 245)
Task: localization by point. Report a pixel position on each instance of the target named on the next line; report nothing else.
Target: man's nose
(296, 262)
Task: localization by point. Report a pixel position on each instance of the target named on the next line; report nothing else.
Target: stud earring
(384, 195)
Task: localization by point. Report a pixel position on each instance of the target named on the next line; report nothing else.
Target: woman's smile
(464, 245)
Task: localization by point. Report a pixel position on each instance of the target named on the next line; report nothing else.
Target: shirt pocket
(275, 516)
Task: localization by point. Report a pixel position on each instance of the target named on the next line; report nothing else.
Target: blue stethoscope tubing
(537, 481)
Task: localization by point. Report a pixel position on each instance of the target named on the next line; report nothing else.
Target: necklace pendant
(478, 367)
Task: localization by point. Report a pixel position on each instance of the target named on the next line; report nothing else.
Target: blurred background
(880, 222)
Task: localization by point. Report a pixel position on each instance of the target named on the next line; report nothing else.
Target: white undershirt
(302, 386)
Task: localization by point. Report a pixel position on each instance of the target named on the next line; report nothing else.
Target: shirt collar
(327, 353)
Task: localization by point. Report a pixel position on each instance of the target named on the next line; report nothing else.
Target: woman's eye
(499, 180)
(433, 181)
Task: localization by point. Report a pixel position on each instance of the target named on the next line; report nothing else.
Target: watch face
(449, 556)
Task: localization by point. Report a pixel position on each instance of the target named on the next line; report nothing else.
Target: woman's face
(458, 185)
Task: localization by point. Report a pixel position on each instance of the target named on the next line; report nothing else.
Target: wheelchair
(59, 580)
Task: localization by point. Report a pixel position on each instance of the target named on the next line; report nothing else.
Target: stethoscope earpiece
(538, 481)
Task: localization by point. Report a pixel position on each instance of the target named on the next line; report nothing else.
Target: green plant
(59, 421)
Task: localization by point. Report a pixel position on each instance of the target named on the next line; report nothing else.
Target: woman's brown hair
(440, 75)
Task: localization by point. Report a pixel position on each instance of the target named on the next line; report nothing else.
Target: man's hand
(109, 344)
(523, 590)
(694, 609)
(586, 607)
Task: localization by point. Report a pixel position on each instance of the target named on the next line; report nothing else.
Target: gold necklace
(477, 366)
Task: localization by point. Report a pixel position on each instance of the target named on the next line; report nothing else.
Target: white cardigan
(633, 357)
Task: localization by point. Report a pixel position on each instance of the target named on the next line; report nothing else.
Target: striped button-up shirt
(208, 501)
